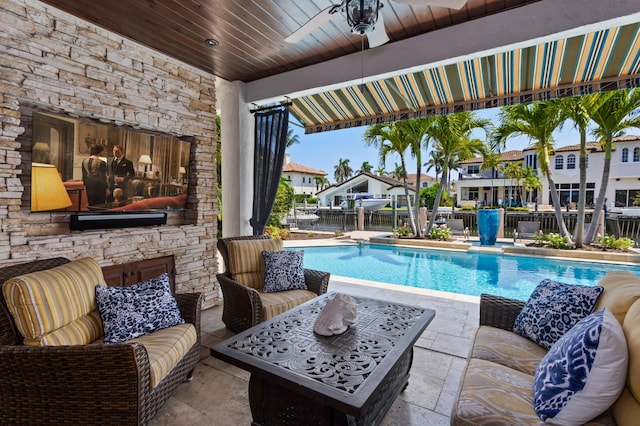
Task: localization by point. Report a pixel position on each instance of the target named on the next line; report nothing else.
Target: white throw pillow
(583, 373)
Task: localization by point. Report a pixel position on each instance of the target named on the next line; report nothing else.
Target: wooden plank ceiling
(250, 36)
(251, 33)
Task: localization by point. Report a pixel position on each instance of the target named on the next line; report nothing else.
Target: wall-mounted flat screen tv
(109, 167)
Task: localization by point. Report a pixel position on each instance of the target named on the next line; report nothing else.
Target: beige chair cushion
(626, 409)
(276, 303)
(57, 306)
(246, 263)
(621, 290)
(507, 348)
(166, 347)
(492, 394)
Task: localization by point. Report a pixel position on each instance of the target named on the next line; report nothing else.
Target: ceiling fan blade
(378, 36)
(450, 4)
(317, 21)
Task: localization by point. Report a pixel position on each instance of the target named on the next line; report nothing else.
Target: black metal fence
(346, 220)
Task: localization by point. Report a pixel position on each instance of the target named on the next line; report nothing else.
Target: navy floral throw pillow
(283, 270)
(552, 309)
(133, 311)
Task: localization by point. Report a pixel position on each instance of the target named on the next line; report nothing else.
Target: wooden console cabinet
(131, 273)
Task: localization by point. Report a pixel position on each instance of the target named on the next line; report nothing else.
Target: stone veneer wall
(54, 62)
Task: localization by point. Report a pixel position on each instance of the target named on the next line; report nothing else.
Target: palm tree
(416, 133)
(291, 138)
(538, 121)
(380, 171)
(365, 167)
(398, 172)
(514, 171)
(579, 110)
(531, 181)
(342, 171)
(490, 161)
(435, 162)
(451, 136)
(392, 139)
(612, 118)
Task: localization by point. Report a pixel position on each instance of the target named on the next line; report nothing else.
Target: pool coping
(585, 255)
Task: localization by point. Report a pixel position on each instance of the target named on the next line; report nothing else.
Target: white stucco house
(365, 183)
(301, 178)
(623, 185)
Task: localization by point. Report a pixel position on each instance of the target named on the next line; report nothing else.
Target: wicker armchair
(243, 306)
(83, 384)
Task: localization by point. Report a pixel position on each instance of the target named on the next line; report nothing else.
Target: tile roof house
(301, 178)
(475, 184)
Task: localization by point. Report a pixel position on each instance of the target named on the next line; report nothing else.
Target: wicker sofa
(245, 304)
(94, 383)
(497, 384)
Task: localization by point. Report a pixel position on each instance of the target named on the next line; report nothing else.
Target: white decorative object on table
(338, 314)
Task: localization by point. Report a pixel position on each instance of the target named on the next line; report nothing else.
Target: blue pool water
(469, 273)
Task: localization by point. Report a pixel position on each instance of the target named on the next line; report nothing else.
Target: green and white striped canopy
(604, 60)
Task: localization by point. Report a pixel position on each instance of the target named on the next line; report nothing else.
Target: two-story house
(475, 185)
(302, 179)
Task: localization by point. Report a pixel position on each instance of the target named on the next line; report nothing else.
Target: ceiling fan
(362, 17)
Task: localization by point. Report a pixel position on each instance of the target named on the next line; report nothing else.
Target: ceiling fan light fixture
(362, 15)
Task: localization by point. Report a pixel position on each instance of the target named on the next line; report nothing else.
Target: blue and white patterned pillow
(552, 309)
(583, 373)
(283, 270)
(133, 311)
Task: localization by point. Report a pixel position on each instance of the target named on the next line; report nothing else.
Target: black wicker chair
(83, 384)
(242, 306)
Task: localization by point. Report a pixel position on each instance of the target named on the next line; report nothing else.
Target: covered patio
(438, 60)
(218, 393)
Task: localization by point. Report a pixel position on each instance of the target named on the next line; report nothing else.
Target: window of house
(559, 162)
(571, 161)
(586, 162)
(473, 193)
(625, 155)
(531, 160)
(636, 155)
(473, 169)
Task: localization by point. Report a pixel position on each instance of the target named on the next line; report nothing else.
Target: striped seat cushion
(276, 303)
(246, 262)
(57, 306)
(166, 348)
(507, 348)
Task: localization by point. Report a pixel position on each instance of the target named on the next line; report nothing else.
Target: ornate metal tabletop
(347, 367)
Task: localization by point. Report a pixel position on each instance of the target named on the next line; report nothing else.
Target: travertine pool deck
(218, 393)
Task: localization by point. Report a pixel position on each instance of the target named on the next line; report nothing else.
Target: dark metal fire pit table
(301, 378)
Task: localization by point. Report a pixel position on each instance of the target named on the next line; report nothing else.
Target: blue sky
(323, 150)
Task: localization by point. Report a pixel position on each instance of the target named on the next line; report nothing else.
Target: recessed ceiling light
(211, 42)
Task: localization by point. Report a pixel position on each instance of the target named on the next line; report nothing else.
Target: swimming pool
(469, 273)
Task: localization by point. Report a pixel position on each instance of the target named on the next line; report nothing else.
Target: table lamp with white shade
(146, 161)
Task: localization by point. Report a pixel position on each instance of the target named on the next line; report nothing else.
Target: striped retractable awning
(603, 60)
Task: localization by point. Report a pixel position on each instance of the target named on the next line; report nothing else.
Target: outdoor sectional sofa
(497, 384)
(49, 376)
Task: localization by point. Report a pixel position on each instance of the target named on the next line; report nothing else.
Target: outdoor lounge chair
(457, 227)
(526, 229)
(245, 304)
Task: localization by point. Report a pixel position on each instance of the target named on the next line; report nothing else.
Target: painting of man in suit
(120, 171)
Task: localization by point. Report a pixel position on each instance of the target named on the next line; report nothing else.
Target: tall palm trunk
(417, 200)
(436, 202)
(555, 199)
(582, 191)
(593, 227)
(412, 222)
